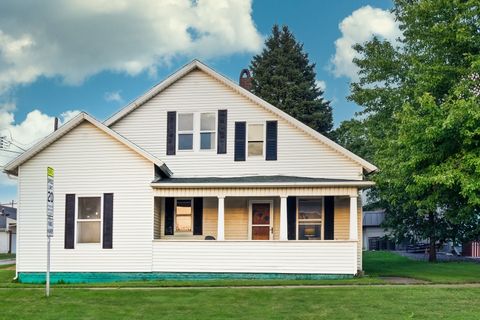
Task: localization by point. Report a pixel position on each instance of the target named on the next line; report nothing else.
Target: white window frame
(77, 220)
(264, 139)
(200, 131)
(322, 223)
(250, 225)
(192, 132)
(175, 232)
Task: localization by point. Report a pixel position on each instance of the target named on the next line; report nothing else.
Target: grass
(383, 263)
(7, 256)
(109, 301)
(400, 302)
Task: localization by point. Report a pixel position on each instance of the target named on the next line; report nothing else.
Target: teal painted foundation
(97, 277)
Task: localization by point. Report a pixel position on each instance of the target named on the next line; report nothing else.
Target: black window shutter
(171, 132)
(240, 137)
(222, 132)
(197, 216)
(169, 213)
(292, 218)
(107, 220)
(271, 147)
(69, 221)
(329, 217)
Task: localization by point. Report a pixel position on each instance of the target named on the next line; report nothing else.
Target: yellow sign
(50, 172)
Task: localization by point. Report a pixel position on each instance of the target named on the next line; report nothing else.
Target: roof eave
(359, 184)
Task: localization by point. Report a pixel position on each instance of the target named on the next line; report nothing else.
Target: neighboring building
(197, 157)
(374, 235)
(471, 249)
(8, 229)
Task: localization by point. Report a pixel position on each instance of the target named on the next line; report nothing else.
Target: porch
(306, 229)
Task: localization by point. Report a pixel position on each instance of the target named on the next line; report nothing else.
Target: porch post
(221, 219)
(353, 218)
(283, 218)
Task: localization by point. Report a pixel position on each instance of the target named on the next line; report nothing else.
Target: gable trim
(195, 64)
(12, 166)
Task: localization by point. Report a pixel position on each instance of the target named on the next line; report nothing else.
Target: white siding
(325, 257)
(87, 162)
(298, 153)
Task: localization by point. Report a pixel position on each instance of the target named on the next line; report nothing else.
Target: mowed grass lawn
(383, 263)
(347, 302)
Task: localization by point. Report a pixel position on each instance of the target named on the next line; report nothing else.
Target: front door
(261, 220)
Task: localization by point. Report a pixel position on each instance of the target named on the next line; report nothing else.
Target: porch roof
(257, 181)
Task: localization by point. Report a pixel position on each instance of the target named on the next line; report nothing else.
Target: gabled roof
(195, 64)
(12, 166)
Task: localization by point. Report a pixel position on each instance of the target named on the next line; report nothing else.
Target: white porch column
(283, 218)
(221, 219)
(353, 218)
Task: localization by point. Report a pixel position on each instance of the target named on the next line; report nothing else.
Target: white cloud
(322, 85)
(78, 38)
(24, 134)
(113, 96)
(359, 27)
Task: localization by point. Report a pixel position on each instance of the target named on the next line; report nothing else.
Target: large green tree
(284, 76)
(422, 119)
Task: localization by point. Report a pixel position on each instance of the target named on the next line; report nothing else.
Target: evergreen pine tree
(284, 76)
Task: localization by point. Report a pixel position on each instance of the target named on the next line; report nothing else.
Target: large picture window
(255, 139)
(185, 131)
(207, 131)
(89, 219)
(310, 212)
(183, 215)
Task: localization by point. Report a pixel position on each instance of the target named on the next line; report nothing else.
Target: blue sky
(57, 84)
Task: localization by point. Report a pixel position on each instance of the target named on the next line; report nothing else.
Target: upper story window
(207, 131)
(196, 131)
(185, 131)
(89, 219)
(256, 137)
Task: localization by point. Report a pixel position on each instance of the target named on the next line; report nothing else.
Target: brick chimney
(245, 79)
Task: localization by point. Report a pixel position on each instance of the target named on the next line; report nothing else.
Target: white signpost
(50, 175)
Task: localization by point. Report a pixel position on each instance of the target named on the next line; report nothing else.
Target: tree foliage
(284, 76)
(421, 114)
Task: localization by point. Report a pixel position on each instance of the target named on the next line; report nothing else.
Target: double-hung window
(89, 219)
(183, 215)
(310, 212)
(256, 137)
(185, 131)
(207, 131)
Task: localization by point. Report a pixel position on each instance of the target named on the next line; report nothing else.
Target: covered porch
(304, 227)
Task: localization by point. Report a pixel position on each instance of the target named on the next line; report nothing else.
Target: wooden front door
(261, 220)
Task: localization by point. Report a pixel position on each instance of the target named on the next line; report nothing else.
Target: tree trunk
(432, 256)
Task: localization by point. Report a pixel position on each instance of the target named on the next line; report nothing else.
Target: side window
(256, 137)
(310, 213)
(185, 131)
(183, 216)
(89, 219)
(207, 131)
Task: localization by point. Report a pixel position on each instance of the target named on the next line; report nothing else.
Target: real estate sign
(50, 175)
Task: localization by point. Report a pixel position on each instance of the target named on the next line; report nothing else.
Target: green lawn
(389, 264)
(400, 302)
(7, 256)
(349, 302)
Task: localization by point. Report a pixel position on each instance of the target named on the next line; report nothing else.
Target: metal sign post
(50, 175)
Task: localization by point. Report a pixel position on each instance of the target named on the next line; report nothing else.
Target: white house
(198, 178)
